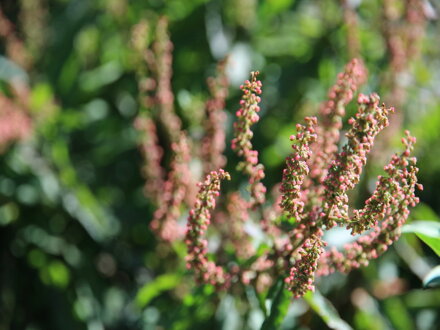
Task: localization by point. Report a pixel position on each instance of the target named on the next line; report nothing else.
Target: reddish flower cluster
(198, 222)
(330, 115)
(393, 196)
(302, 273)
(247, 115)
(173, 193)
(297, 168)
(345, 170)
(314, 189)
(316, 203)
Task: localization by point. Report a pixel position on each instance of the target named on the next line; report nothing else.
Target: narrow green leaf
(398, 313)
(157, 286)
(424, 211)
(432, 279)
(279, 300)
(326, 311)
(427, 231)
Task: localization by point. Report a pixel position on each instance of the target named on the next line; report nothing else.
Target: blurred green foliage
(76, 249)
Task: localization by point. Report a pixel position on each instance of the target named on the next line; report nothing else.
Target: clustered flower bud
(247, 115)
(313, 192)
(330, 116)
(198, 222)
(396, 190)
(313, 202)
(297, 168)
(302, 273)
(345, 170)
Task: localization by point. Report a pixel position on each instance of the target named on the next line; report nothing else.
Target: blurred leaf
(278, 300)
(422, 299)
(427, 231)
(101, 76)
(154, 288)
(398, 314)
(8, 213)
(59, 274)
(325, 310)
(275, 6)
(432, 279)
(424, 211)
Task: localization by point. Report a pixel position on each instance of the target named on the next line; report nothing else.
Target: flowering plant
(312, 197)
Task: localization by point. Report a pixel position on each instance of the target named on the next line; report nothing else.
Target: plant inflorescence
(312, 198)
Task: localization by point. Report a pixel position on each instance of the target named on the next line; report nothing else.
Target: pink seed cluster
(313, 194)
(330, 115)
(397, 190)
(345, 170)
(297, 168)
(173, 193)
(198, 222)
(302, 273)
(247, 115)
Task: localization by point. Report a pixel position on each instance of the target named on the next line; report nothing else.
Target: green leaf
(154, 288)
(278, 300)
(432, 279)
(424, 211)
(398, 314)
(326, 311)
(427, 231)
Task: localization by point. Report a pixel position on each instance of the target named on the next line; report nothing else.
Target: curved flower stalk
(247, 115)
(198, 222)
(393, 191)
(345, 170)
(397, 191)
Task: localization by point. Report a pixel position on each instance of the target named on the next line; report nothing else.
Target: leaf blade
(427, 231)
(326, 311)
